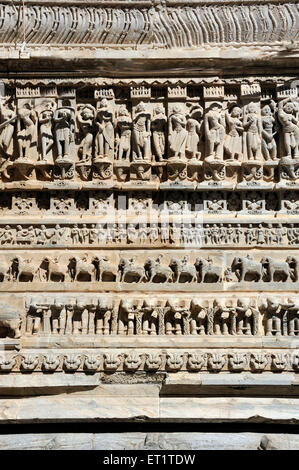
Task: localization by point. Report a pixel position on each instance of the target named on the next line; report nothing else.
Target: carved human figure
(7, 127)
(269, 147)
(164, 233)
(26, 129)
(64, 130)
(253, 128)
(260, 235)
(85, 119)
(45, 120)
(193, 128)
(233, 140)
(177, 134)
(104, 141)
(214, 124)
(159, 121)
(123, 133)
(290, 127)
(142, 133)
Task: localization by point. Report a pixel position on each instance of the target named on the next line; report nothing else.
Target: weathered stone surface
(149, 229)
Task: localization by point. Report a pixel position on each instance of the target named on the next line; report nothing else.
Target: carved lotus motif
(216, 361)
(112, 361)
(153, 361)
(132, 361)
(196, 361)
(29, 362)
(237, 361)
(279, 361)
(258, 361)
(7, 363)
(51, 362)
(92, 362)
(72, 362)
(175, 361)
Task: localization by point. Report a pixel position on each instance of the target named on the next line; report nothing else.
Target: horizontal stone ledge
(243, 379)
(72, 287)
(133, 404)
(46, 342)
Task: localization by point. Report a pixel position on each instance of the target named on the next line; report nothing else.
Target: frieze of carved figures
(122, 205)
(242, 316)
(146, 360)
(136, 234)
(90, 268)
(251, 141)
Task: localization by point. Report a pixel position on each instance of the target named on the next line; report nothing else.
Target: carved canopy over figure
(177, 134)
(64, 130)
(104, 147)
(214, 132)
(290, 127)
(142, 133)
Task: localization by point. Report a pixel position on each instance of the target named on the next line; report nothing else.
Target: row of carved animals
(101, 269)
(242, 316)
(142, 233)
(248, 132)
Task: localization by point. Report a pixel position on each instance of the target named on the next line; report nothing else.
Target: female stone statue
(7, 127)
(141, 133)
(193, 128)
(64, 129)
(253, 127)
(233, 140)
(85, 119)
(159, 128)
(268, 131)
(177, 134)
(45, 120)
(105, 134)
(123, 133)
(214, 131)
(27, 131)
(290, 127)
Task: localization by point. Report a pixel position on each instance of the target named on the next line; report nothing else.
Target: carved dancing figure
(233, 140)
(85, 118)
(123, 133)
(7, 127)
(214, 132)
(268, 131)
(64, 130)
(253, 128)
(159, 121)
(177, 134)
(142, 133)
(194, 130)
(45, 120)
(290, 127)
(26, 129)
(104, 147)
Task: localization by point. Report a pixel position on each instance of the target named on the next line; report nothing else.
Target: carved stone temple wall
(149, 229)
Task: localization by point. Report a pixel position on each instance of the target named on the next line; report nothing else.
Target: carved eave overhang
(124, 38)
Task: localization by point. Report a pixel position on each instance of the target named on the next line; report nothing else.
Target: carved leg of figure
(84, 319)
(193, 327)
